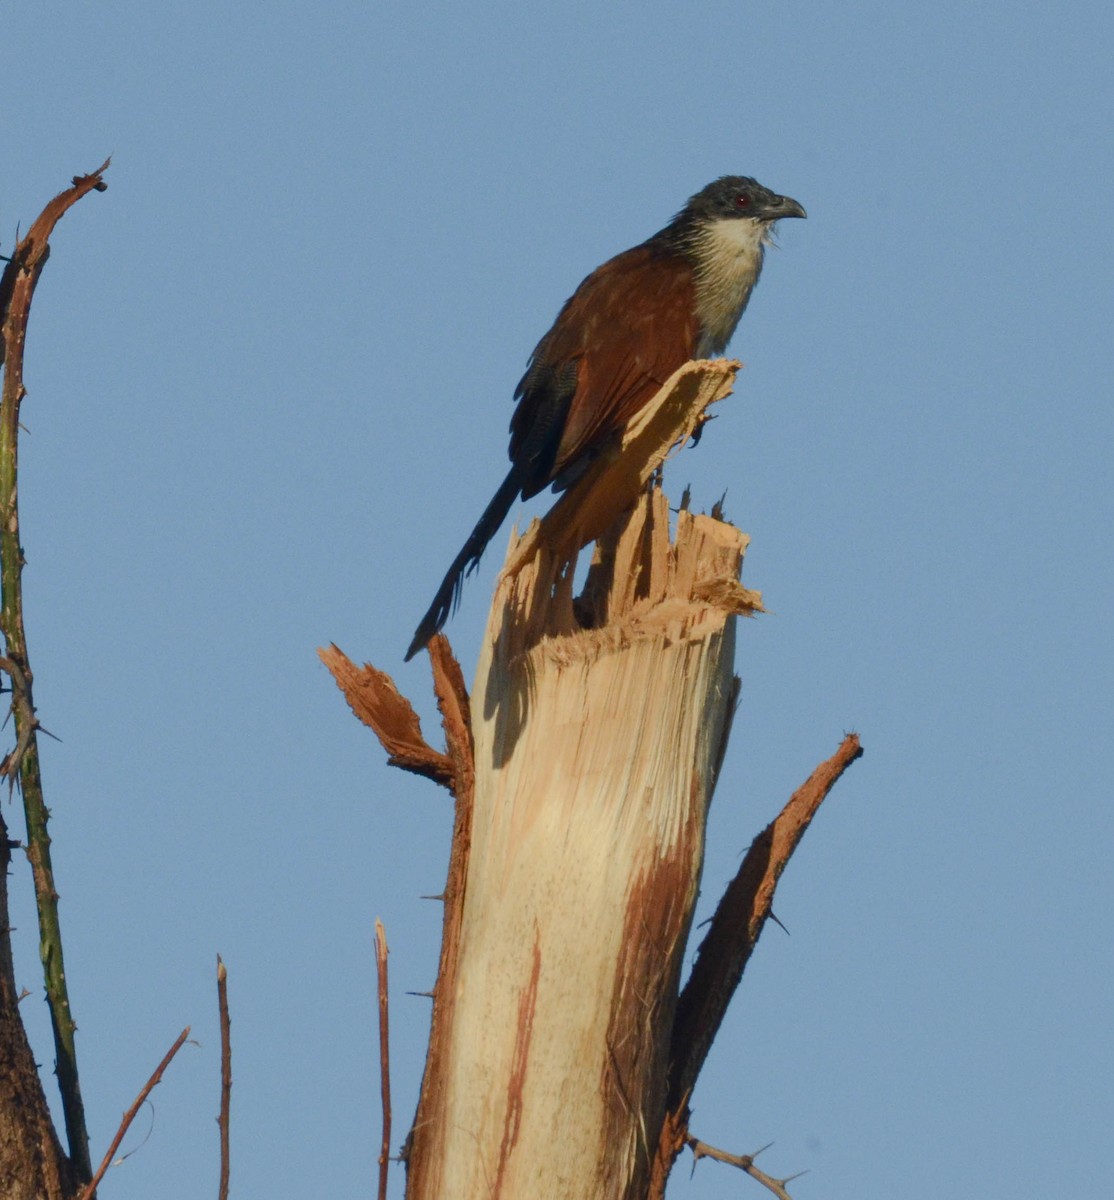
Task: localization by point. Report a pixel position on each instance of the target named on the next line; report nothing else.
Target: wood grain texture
(596, 751)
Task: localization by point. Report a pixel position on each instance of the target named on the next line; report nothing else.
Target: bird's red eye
(742, 200)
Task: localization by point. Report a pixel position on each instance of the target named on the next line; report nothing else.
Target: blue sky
(270, 374)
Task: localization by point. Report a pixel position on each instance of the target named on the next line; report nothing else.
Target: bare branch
(737, 924)
(129, 1116)
(17, 284)
(745, 1162)
(225, 1076)
(723, 955)
(384, 1055)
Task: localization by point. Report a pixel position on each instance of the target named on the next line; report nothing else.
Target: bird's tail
(448, 594)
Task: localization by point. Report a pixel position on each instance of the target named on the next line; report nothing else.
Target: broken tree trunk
(562, 1051)
(596, 753)
(599, 724)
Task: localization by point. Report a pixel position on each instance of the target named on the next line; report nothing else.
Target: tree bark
(33, 1165)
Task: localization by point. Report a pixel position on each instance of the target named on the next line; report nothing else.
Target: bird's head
(738, 197)
(723, 232)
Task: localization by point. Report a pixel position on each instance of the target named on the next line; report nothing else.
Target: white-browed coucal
(623, 332)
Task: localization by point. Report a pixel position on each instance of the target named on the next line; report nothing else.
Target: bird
(629, 325)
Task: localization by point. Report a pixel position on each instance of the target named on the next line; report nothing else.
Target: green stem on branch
(16, 289)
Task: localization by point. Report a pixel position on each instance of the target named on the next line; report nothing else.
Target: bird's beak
(783, 206)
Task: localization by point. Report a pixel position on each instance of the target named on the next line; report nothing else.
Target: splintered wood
(599, 724)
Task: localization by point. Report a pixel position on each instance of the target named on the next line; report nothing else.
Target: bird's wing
(625, 330)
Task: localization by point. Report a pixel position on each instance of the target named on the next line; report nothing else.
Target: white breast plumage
(728, 255)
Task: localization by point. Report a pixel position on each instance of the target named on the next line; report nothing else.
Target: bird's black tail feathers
(448, 594)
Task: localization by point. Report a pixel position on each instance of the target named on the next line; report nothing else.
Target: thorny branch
(25, 721)
(745, 1162)
(17, 287)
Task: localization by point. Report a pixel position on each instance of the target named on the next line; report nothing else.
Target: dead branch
(384, 1054)
(727, 946)
(225, 1077)
(745, 1162)
(129, 1116)
(21, 274)
(373, 697)
(456, 717)
(737, 924)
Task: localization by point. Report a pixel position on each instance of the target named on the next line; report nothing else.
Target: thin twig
(384, 1055)
(225, 1075)
(745, 1162)
(129, 1116)
(17, 287)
